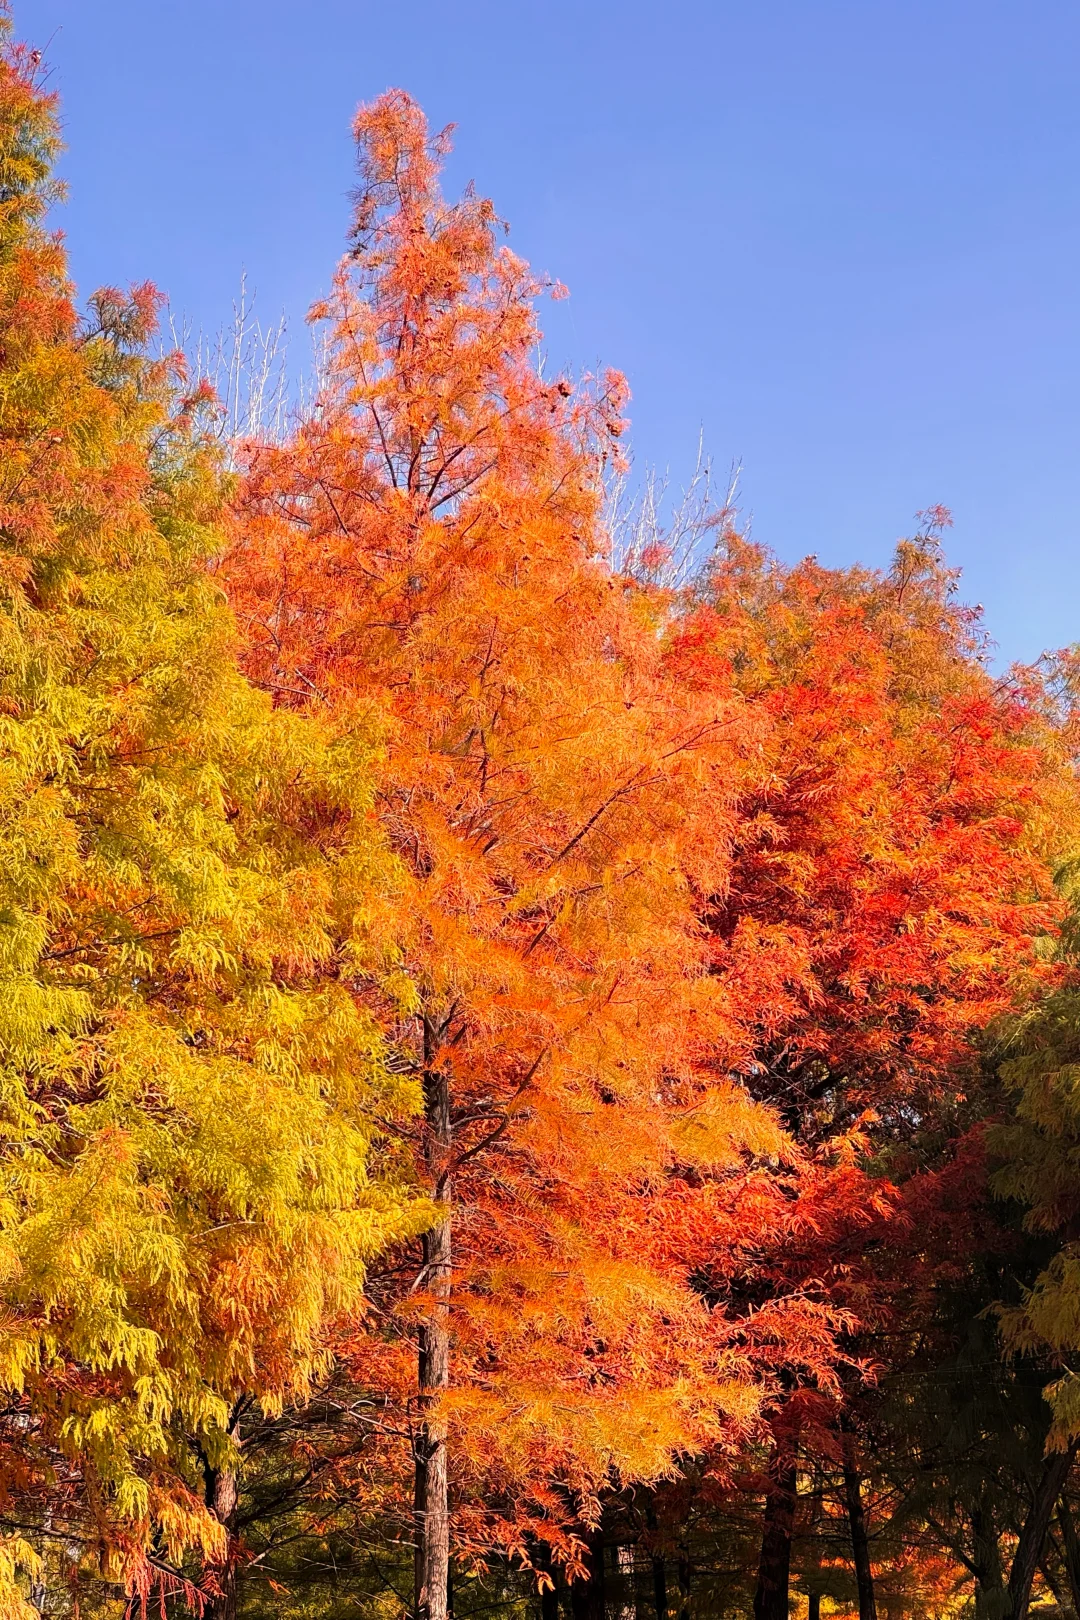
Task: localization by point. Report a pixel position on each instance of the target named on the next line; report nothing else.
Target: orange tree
(428, 548)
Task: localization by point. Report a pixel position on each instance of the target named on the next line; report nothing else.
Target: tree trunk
(588, 1595)
(222, 1498)
(549, 1595)
(226, 1496)
(772, 1599)
(685, 1570)
(38, 1594)
(986, 1558)
(1029, 1548)
(860, 1545)
(659, 1586)
(815, 1513)
(657, 1560)
(1072, 1551)
(431, 1497)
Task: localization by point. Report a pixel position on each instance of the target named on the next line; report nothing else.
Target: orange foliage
(429, 548)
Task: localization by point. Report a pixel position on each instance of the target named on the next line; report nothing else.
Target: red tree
(892, 865)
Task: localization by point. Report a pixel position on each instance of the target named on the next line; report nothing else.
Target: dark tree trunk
(431, 1497)
(771, 1601)
(659, 1586)
(860, 1545)
(549, 1594)
(986, 1558)
(685, 1572)
(812, 1569)
(659, 1562)
(1055, 1472)
(549, 1603)
(588, 1593)
(1072, 1551)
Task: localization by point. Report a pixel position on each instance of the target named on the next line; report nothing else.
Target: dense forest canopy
(538, 1066)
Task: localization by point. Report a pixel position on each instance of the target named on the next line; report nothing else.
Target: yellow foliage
(189, 1086)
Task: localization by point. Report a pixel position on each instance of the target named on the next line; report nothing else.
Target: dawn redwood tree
(186, 1093)
(893, 862)
(428, 548)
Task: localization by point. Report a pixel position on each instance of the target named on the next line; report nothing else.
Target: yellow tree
(186, 1079)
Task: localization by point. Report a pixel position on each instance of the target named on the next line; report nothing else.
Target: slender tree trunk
(549, 1603)
(1029, 1548)
(223, 1505)
(860, 1545)
(986, 1557)
(1072, 1551)
(685, 1572)
(772, 1599)
(549, 1595)
(431, 1497)
(815, 1512)
(659, 1586)
(588, 1595)
(658, 1561)
(223, 1498)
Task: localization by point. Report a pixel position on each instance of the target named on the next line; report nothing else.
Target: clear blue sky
(839, 236)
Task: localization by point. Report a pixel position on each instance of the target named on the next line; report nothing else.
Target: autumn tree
(893, 868)
(187, 1088)
(429, 546)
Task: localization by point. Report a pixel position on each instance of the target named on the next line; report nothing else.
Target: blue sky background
(841, 237)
